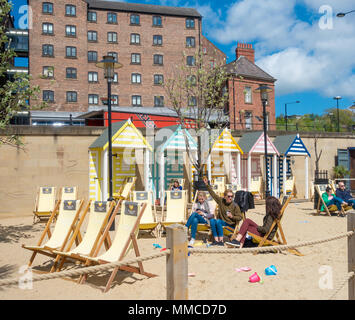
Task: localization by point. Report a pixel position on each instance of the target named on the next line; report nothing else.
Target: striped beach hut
(224, 159)
(170, 147)
(128, 145)
(289, 146)
(252, 143)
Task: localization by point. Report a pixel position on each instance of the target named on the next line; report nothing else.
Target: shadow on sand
(10, 234)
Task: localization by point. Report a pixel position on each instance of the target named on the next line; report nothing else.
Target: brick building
(245, 106)
(68, 37)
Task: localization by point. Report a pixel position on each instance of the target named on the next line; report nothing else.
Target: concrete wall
(59, 157)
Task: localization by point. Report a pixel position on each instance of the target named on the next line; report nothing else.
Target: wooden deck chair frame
(153, 227)
(201, 227)
(327, 210)
(60, 255)
(48, 251)
(279, 234)
(126, 188)
(132, 239)
(46, 215)
(66, 190)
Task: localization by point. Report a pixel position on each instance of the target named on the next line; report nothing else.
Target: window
(70, 73)
(192, 101)
(135, 19)
(92, 56)
(191, 79)
(48, 50)
(190, 42)
(158, 59)
(157, 40)
(135, 38)
(136, 58)
(93, 99)
(47, 28)
(93, 77)
(190, 60)
(114, 100)
(136, 78)
(111, 17)
(247, 95)
(70, 52)
(47, 8)
(48, 95)
(72, 96)
(70, 10)
(157, 21)
(190, 23)
(114, 55)
(158, 101)
(136, 101)
(48, 72)
(70, 31)
(92, 36)
(158, 79)
(248, 118)
(112, 37)
(115, 78)
(92, 16)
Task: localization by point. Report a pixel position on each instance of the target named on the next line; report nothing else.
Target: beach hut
(224, 159)
(289, 146)
(129, 148)
(170, 150)
(252, 143)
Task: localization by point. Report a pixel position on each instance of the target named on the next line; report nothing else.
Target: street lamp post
(286, 110)
(342, 14)
(109, 64)
(264, 90)
(337, 98)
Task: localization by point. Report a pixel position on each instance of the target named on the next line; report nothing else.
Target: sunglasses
(229, 196)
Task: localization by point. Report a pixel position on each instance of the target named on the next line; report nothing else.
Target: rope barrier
(341, 284)
(272, 248)
(86, 270)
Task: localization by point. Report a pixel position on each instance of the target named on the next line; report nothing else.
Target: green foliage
(13, 94)
(340, 172)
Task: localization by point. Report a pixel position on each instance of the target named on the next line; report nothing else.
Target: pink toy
(246, 269)
(254, 278)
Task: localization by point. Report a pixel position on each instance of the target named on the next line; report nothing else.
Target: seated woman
(330, 199)
(176, 186)
(273, 209)
(200, 214)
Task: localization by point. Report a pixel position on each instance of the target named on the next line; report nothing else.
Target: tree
(15, 93)
(198, 91)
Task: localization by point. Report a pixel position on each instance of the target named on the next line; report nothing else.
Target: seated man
(330, 199)
(345, 195)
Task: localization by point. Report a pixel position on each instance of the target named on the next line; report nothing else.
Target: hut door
(94, 176)
(174, 166)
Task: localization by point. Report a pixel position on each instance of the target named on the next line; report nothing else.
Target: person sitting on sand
(330, 199)
(176, 186)
(345, 195)
(273, 209)
(228, 214)
(200, 214)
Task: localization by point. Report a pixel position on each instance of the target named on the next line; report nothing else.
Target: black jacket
(245, 200)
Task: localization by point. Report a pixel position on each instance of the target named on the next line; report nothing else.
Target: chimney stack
(246, 50)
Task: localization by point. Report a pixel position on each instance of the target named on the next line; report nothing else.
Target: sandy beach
(216, 277)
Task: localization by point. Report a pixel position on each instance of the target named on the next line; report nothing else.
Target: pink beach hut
(252, 143)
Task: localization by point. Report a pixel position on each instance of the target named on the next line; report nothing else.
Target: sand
(216, 278)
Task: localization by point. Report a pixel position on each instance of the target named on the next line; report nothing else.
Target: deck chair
(149, 219)
(99, 215)
(280, 235)
(126, 188)
(234, 187)
(45, 204)
(68, 193)
(175, 208)
(290, 186)
(181, 182)
(68, 218)
(333, 185)
(255, 186)
(125, 239)
(320, 189)
(219, 185)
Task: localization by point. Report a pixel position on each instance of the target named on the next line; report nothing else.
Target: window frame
(135, 36)
(159, 98)
(47, 4)
(88, 15)
(48, 69)
(158, 56)
(115, 97)
(159, 37)
(135, 97)
(136, 76)
(113, 14)
(46, 32)
(70, 14)
(114, 35)
(248, 93)
(136, 55)
(134, 23)
(71, 94)
(113, 54)
(93, 73)
(71, 51)
(47, 45)
(190, 38)
(95, 96)
(91, 52)
(188, 24)
(193, 61)
(158, 83)
(92, 32)
(155, 24)
(71, 35)
(71, 73)
(248, 120)
(47, 92)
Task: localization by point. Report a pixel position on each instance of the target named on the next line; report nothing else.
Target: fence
(177, 261)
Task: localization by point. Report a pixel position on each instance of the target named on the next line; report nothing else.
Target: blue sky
(300, 42)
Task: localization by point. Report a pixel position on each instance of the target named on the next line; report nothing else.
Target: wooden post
(351, 254)
(176, 262)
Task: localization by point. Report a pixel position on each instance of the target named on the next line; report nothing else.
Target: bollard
(351, 255)
(176, 262)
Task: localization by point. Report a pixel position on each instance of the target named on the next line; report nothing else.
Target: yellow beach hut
(129, 148)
